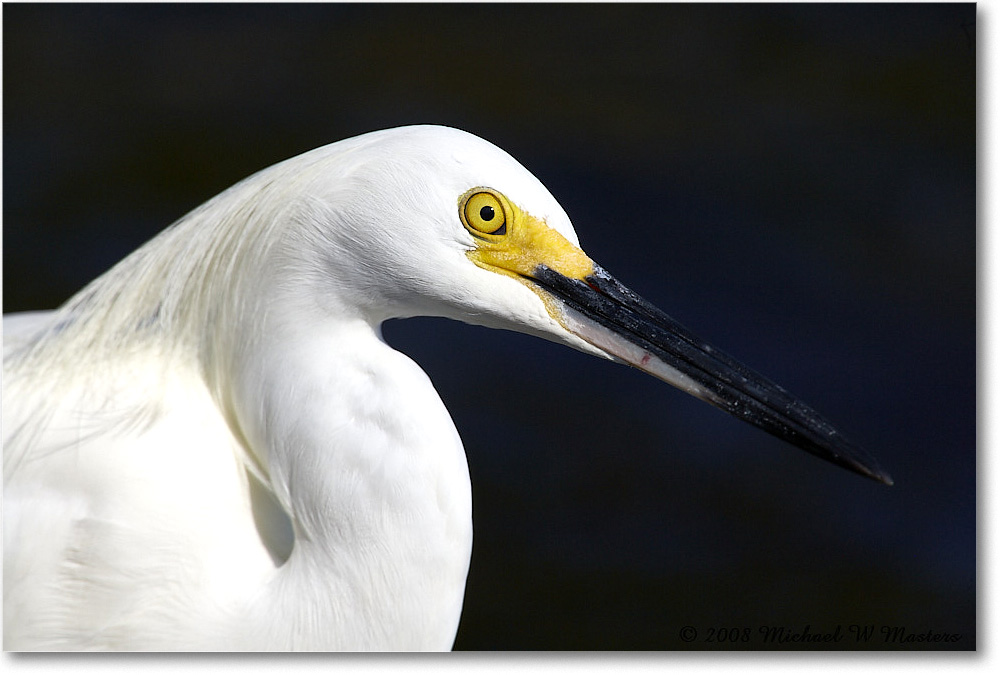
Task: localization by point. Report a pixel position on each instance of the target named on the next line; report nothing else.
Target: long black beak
(605, 313)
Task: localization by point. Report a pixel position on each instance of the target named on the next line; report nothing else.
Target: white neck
(349, 434)
(365, 459)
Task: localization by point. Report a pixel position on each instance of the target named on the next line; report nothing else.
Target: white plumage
(211, 447)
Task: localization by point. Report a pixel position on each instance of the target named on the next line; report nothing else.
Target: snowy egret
(211, 447)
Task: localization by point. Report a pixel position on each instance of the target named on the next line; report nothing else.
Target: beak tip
(883, 478)
(872, 470)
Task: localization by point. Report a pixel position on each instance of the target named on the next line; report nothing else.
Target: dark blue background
(797, 184)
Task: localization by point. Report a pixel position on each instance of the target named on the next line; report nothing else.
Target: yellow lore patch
(512, 242)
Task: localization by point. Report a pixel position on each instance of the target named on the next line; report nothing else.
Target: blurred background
(796, 184)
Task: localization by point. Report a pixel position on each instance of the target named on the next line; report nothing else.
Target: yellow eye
(484, 211)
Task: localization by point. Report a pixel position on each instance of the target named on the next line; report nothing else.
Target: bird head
(439, 222)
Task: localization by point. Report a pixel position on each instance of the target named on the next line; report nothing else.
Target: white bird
(210, 447)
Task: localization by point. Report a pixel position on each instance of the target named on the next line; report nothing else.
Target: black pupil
(487, 213)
